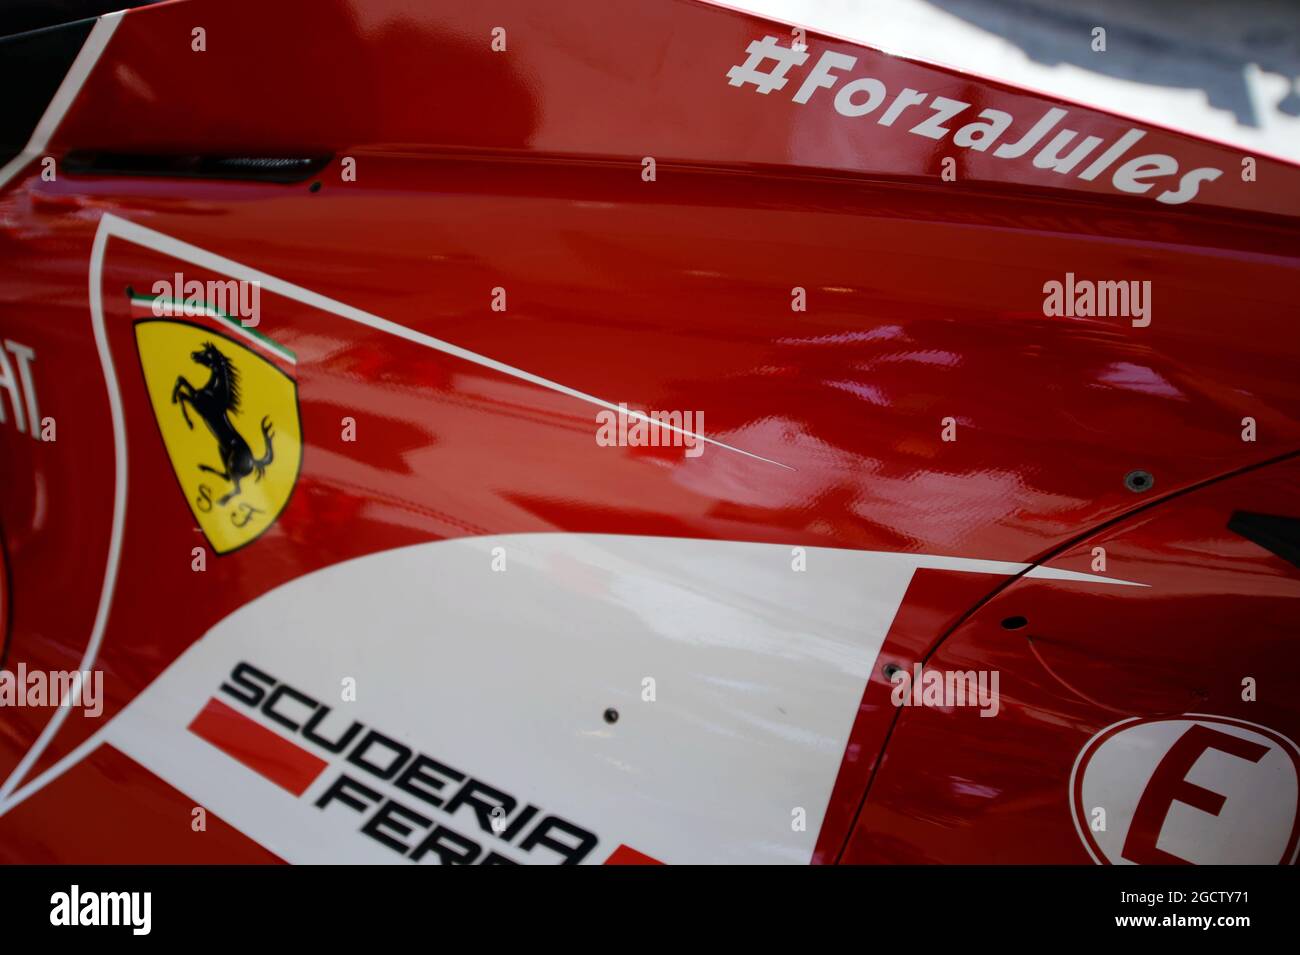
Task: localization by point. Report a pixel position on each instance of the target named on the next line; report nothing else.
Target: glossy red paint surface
(1220, 610)
(523, 171)
(110, 811)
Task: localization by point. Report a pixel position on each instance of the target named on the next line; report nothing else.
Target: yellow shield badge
(229, 420)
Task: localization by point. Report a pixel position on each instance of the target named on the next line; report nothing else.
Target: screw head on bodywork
(611, 715)
(1139, 481)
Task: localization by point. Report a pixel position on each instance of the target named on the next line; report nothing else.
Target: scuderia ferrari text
(401, 793)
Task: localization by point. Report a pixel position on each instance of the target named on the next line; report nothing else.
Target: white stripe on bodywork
(64, 97)
(151, 239)
(758, 672)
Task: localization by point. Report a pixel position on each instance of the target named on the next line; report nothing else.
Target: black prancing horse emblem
(214, 403)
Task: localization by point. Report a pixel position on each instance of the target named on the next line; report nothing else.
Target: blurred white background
(1227, 70)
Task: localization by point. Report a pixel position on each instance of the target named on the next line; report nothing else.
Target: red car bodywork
(923, 267)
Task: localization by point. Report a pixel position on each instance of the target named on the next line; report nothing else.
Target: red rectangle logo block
(261, 750)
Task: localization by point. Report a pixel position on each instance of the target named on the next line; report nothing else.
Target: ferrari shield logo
(228, 415)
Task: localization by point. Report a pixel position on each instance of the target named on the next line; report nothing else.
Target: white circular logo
(1187, 789)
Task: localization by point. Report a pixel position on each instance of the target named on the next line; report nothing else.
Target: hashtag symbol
(759, 53)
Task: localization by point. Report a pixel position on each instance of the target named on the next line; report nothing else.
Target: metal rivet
(1139, 481)
(611, 715)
